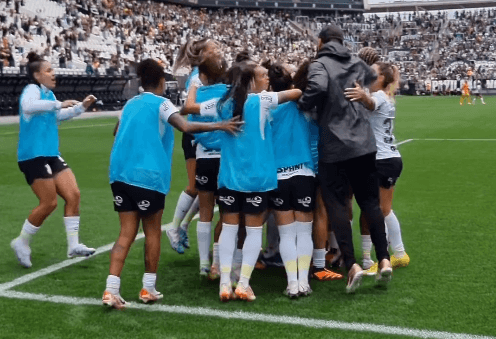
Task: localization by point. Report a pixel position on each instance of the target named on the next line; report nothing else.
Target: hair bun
(34, 57)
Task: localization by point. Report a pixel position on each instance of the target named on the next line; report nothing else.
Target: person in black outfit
(347, 149)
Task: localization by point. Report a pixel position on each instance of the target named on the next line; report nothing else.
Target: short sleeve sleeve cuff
(167, 109)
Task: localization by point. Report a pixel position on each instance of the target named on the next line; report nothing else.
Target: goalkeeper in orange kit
(465, 94)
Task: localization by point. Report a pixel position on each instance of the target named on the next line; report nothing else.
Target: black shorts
(250, 203)
(42, 168)
(388, 171)
(296, 193)
(189, 147)
(207, 171)
(128, 198)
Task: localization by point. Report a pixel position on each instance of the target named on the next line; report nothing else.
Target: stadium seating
(109, 90)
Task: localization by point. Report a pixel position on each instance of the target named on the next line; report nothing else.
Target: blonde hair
(190, 54)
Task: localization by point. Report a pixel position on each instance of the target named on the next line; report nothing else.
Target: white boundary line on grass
(63, 128)
(249, 316)
(69, 262)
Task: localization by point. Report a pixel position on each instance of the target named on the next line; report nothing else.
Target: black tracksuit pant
(335, 180)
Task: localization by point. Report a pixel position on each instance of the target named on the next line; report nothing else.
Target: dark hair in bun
(34, 66)
(279, 78)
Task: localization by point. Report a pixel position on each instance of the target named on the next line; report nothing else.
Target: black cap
(331, 32)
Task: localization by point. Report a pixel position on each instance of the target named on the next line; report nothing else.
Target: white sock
(195, 207)
(394, 232)
(319, 257)
(203, 230)
(366, 246)
(237, 262)
(333, 243)
(287, 248)
(183, 204)
(113, 284)
(227, 245)
(216, 254)
(251, 249)
(72, 229)
(27, 232)
(304, 249)
(149, 280)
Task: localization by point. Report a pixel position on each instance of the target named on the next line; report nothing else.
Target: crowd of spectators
(109, 36)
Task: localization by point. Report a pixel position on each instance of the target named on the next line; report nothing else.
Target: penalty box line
(69, 262)
(249, 316)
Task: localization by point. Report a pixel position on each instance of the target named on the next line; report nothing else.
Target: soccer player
(388, 158)
(39, 158)
(140, 175)
(477, 94)
(320, 219)
(247, 171)
(207, 154)
(294, 199)
(465, 94)
(191, 54)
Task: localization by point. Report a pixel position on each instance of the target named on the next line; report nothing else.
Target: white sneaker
(173, 235)
(292, 291)
(22, 251)
(304, 289)
(80, 250)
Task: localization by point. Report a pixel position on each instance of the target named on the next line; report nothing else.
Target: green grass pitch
(445, 201)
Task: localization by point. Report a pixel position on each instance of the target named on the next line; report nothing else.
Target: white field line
(249, 316)
(432, 139)
(63, 128)
(14, 119)
(404, 142)
(66, 263)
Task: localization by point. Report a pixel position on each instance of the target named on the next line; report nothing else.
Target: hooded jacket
(345, 132)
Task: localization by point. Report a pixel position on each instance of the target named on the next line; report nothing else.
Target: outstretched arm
(289, 95)
(190, 106)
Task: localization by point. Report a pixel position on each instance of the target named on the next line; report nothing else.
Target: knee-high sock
(183, 205)
(251, 249)
(27, 232)
(203, 230)
(195, 207)
(394, 233)
(304, 249)
(287, 248)
(72, 229)
(227, 244)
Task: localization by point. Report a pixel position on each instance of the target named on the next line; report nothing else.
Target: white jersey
(382, 122)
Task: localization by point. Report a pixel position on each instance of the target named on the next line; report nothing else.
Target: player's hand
(69, 103)
(355, 94)
(232, 126)
(88, 101)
